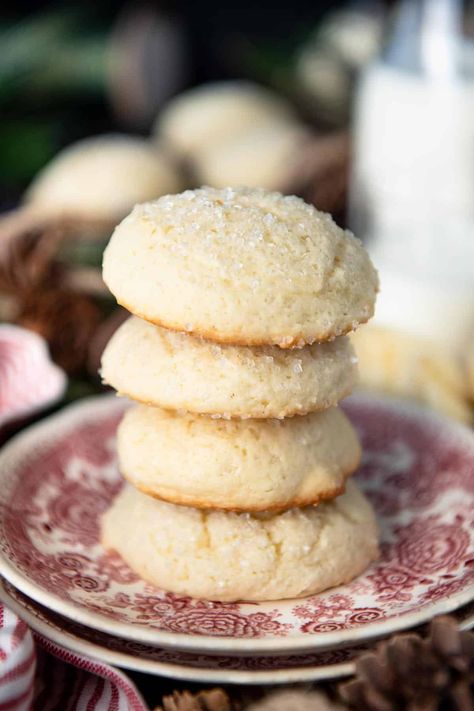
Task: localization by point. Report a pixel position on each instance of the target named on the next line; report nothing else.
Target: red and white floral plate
(192, 666)
(418, 469)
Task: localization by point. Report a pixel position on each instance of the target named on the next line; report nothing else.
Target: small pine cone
(321, 173)
(28, 248)
(416, 674)
(212, 700)
(67, 320)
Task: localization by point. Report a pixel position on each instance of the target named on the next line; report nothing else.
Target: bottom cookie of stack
(219, 555)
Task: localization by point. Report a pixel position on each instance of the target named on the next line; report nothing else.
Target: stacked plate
(58, 478)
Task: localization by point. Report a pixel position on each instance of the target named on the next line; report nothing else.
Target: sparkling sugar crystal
(298, 366)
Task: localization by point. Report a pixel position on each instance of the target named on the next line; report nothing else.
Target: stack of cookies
(237, 455)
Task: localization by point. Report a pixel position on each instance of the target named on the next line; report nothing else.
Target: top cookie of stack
(241, 266)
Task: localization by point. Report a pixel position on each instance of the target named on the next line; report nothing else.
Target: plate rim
(78, 645)
(21, 443)
(75, 643)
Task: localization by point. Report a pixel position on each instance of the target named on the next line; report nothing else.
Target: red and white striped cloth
(38, 674)
(17, 663)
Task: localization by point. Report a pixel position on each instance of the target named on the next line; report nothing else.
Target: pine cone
(321, 174)
(218, 700)
(416, 674)
(66, 319)
(212, 700)
(28, 248)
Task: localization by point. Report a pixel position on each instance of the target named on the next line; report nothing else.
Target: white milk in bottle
(413, 177)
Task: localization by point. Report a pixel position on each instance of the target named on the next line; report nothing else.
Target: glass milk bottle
(412, 191)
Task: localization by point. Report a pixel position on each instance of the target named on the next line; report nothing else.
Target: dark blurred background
(58, 82)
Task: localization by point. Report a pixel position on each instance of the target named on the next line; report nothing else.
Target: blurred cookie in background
(244, 134)
(263, 156)
(51, 246)
(211, 113)
(328, 63)
(413, 367)
(99, 179)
